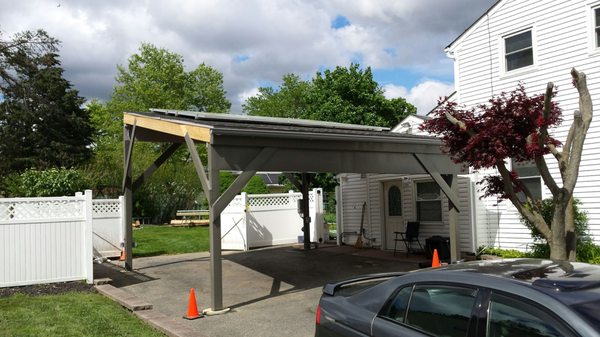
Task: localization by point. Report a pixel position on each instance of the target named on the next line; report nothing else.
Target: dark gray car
(499, 298)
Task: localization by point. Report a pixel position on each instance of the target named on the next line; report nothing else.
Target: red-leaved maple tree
(515, 126)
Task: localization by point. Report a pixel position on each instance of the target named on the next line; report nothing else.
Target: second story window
(518, 50)
(597, 25)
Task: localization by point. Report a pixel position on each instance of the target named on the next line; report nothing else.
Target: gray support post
(216, 277)
(128, 139)
(453, 220)
(305, 210)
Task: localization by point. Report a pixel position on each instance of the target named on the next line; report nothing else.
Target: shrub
(54, 182)
(586, 250)
(506, 253)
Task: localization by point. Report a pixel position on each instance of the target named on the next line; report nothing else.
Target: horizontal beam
(196, 132)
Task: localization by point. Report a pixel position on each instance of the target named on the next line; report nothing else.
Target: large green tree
(42, 123)
(289, 101)
(156, 78)
(345, 94)
(153, 78)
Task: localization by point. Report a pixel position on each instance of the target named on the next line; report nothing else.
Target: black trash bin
(441, 243)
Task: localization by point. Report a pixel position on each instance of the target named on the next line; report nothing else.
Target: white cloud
(424, 96)
(279, 36)
(243, 96)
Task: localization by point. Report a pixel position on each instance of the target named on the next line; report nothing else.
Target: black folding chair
(408, 237)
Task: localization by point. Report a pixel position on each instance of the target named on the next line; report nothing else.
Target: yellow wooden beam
(196, 132)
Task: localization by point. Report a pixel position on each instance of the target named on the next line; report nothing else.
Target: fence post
(123, 222)
(87, 254)
(245, 209)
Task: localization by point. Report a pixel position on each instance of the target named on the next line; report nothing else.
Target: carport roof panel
(268, 127)
(264, 120)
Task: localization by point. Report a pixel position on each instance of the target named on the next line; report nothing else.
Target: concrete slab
(170, 326)
(271, 292)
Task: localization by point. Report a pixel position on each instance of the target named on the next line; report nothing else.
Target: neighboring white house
(533, 42)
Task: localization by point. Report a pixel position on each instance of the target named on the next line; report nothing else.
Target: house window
(518, 50)
(395, 201)
(530, 177)
(429, 201)
(597, 25)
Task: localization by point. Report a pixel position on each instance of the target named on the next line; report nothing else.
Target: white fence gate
(108, 226)
(270, 219)
(45, 240)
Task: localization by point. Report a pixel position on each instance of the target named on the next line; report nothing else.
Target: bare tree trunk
(571, 236)
(558, 244)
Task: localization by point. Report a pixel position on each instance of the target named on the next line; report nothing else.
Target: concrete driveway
(271, 292)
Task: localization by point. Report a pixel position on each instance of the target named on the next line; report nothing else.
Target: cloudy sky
(255, 42)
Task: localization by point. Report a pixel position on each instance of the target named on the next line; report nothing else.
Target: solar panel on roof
(266, 120)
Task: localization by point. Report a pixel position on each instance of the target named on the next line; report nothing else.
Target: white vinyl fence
(44, 240)
(270, 219)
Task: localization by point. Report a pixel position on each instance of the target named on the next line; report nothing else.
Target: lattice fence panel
(282, 200)
(108, 207)
(41, 209)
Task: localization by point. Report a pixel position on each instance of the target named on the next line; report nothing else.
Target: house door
(394, 222)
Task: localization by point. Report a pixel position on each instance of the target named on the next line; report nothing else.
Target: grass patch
(73, 314)
(161, 240)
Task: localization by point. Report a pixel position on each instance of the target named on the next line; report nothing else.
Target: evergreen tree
(42, 122)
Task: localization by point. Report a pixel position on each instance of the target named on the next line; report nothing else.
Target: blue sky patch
(340, 21)
(391, 51)
(404, 77)
(240, 58)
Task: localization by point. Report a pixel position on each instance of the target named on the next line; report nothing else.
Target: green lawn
(72, 314)
(160, 240)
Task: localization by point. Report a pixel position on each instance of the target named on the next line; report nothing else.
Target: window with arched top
(394, 201)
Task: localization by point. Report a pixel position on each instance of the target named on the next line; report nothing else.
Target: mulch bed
(48, 289)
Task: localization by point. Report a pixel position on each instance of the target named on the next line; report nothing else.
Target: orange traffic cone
(122, 257)
(435, 262)
(192, 312)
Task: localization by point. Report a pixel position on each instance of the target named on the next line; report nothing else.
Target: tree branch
(540, 162)
(580, 126)
(533, 217)
(544, 129)
(460, 124)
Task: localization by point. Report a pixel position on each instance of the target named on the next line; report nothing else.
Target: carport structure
(249, 144)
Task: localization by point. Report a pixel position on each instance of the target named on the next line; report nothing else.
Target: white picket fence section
(44, 240)
(260, 220)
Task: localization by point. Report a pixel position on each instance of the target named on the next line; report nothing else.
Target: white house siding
(356, 187)
(354, 193)
(562, 35)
